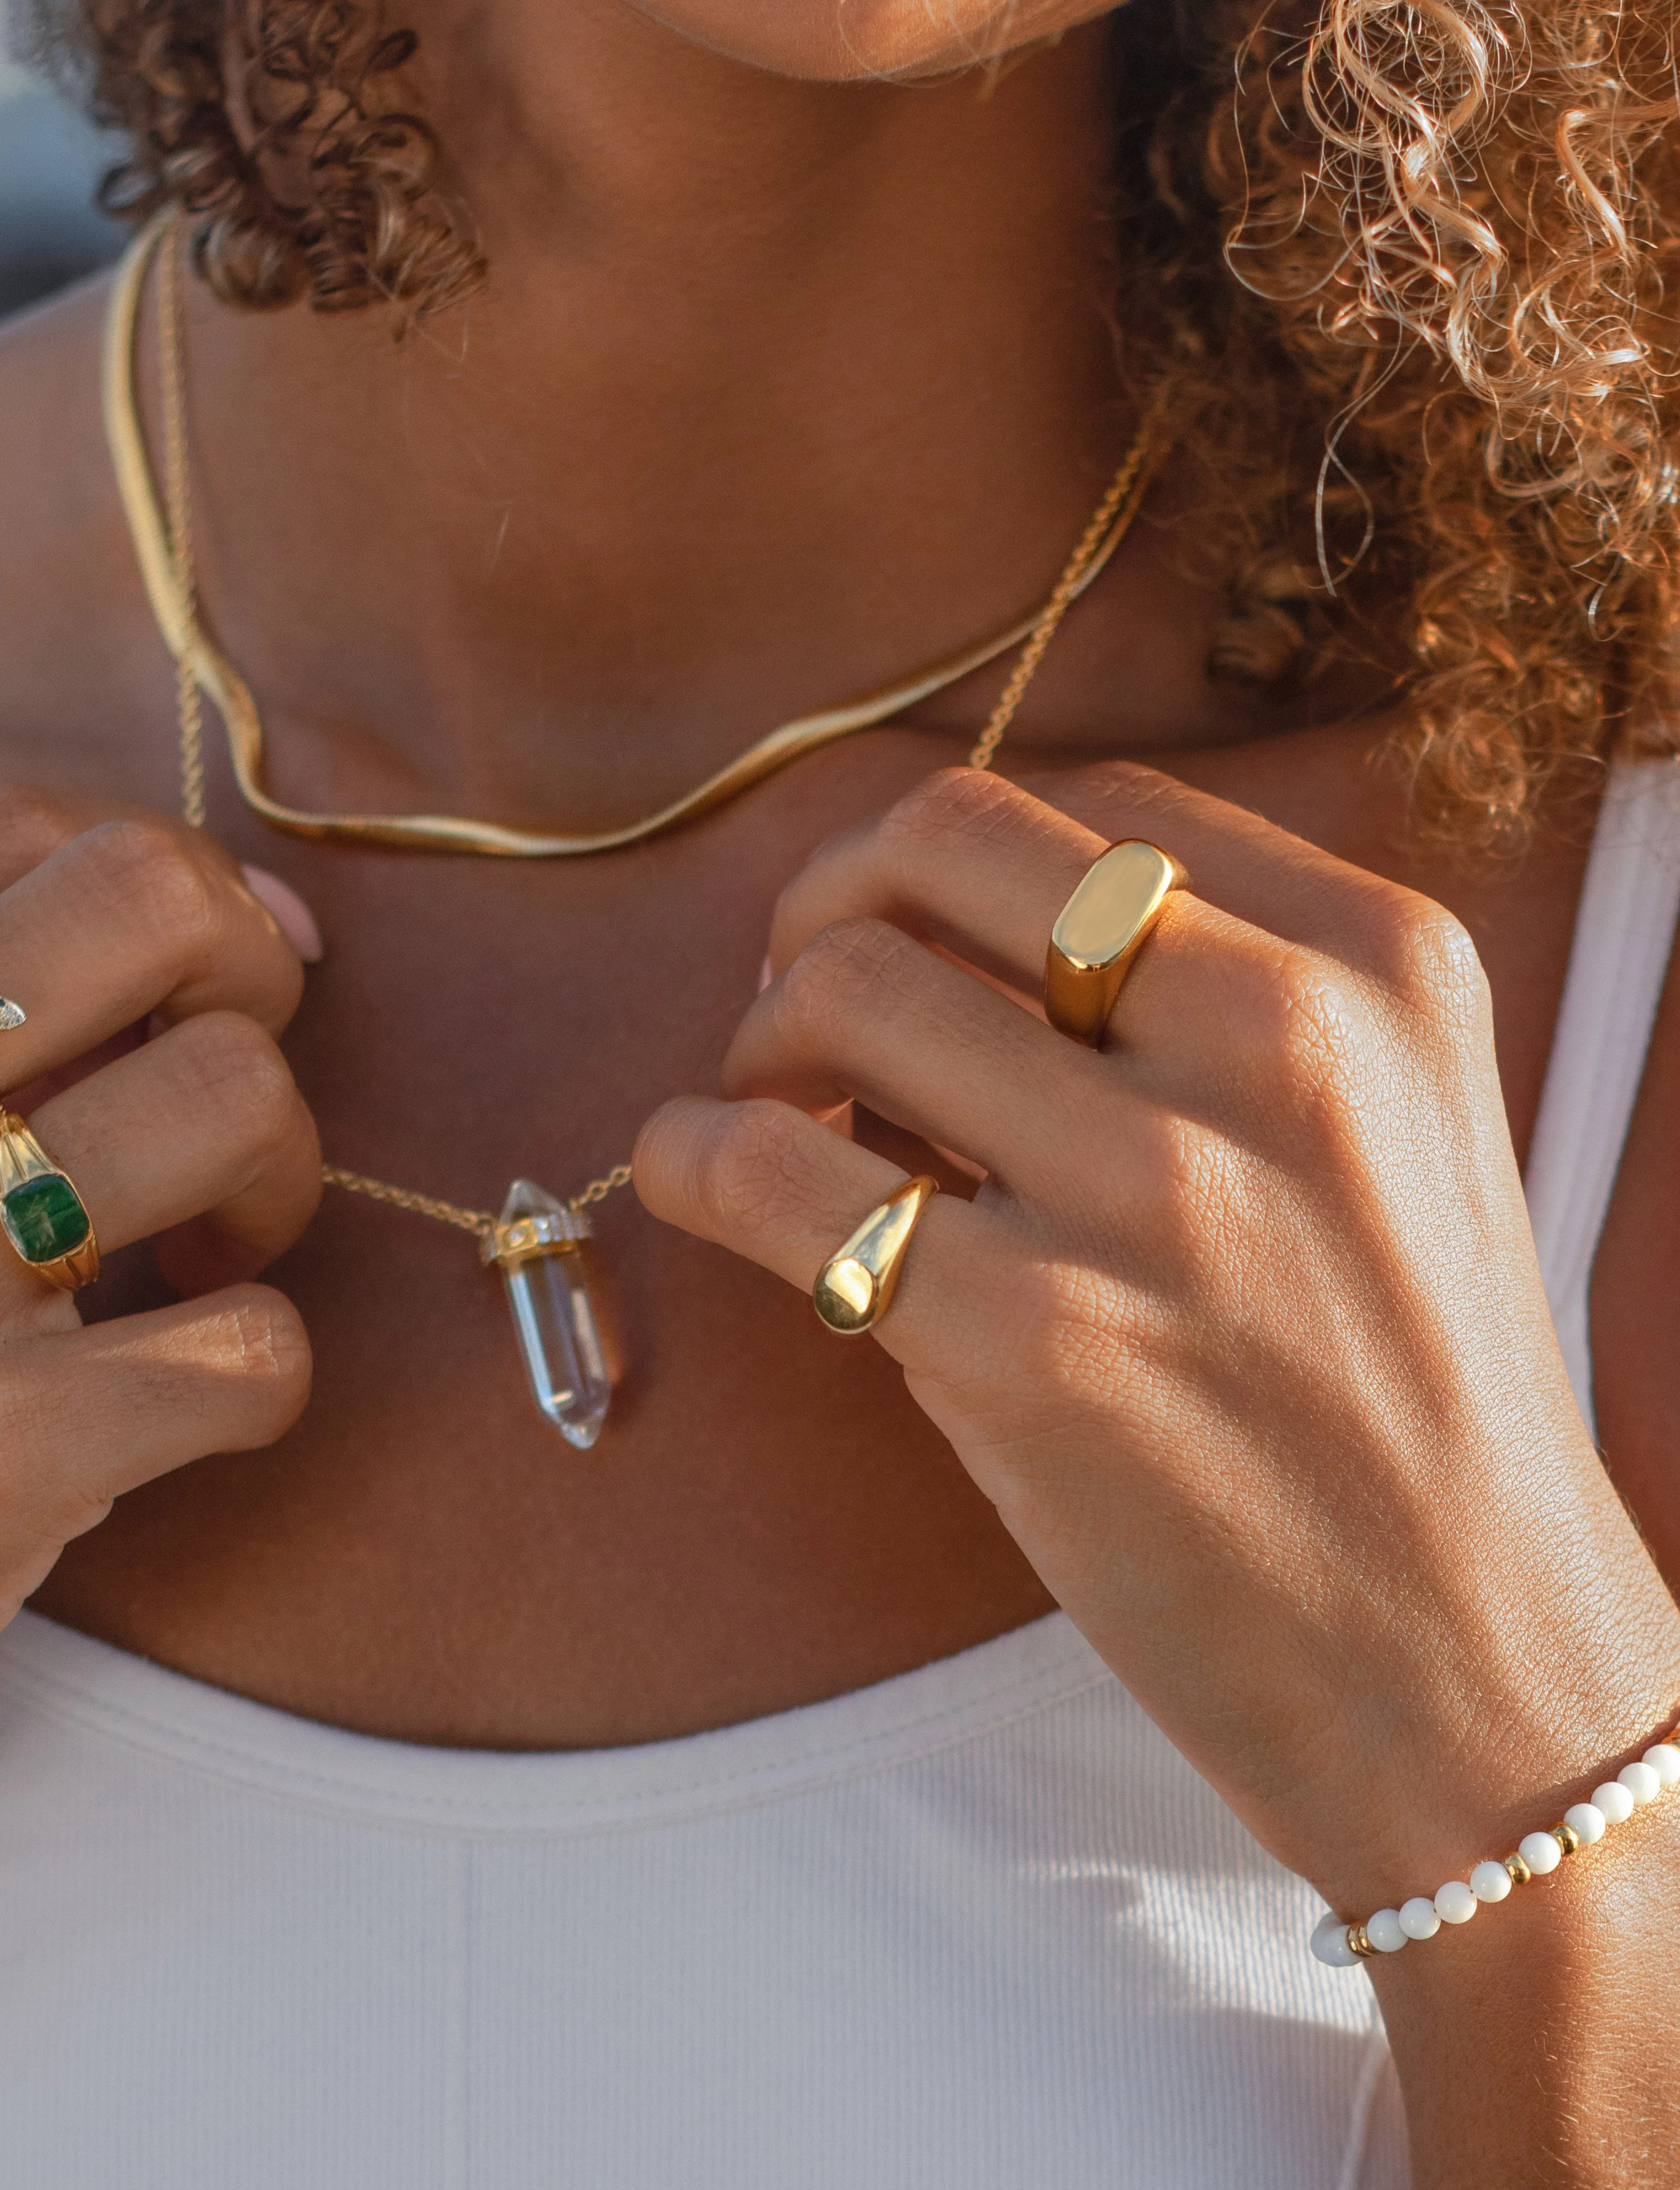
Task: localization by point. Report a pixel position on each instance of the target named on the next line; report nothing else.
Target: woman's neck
(776, 389)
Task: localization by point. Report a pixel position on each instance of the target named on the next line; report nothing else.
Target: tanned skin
(781, 386)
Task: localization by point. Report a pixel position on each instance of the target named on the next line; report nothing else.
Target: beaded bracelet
(1342, 1944)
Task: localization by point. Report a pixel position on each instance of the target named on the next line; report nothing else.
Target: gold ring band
(40, 1212)
(855, 1285)
(1100, 930)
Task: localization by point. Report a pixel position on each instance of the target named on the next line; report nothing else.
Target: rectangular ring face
(44, 1218)
(1113, 906)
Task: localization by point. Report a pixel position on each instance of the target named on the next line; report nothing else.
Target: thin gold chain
(478, 1221)
(189, 702)
(1062, 599)
(598, 1188)
(189, 706)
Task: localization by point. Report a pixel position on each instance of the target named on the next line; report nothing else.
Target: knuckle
(953, 802)
(235, 1375)
(835, 976)
(265, 1340)
(148, 876)
(250, 1345)
(1125, 791)
(236, 1068)
(1429, 960)
(751, 1161)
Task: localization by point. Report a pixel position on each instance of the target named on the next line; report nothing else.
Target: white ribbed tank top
(978, 1928)
(1623, 935)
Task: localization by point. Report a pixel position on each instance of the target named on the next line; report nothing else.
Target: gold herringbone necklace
(536, 1241)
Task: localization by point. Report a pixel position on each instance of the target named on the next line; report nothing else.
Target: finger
(87, 1415)
(769, 1184)
(206, 1120)
(1218, 1022)
(296, 922)
(1249, 868)
(34, 823)
(866, 1013)
(133, 918)
(965, 861)
(981, 867)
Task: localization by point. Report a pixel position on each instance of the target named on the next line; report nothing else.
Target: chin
(847, 41)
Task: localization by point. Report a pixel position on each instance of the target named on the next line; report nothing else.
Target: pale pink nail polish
(296, 922)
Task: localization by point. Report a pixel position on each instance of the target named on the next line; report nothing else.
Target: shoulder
(84, 682)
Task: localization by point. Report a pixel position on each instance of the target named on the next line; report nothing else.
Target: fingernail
(297, 923)
(766, 974)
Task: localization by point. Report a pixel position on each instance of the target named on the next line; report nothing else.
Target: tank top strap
(1623, 935)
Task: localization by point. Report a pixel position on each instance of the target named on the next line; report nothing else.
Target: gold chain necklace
(536, 1242)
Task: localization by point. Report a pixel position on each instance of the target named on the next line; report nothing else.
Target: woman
(749, 360)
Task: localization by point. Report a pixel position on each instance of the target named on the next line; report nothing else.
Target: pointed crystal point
(11, 1015)
(537, 1245)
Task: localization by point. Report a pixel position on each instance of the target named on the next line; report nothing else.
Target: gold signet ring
(1100, 930)
(854, 1287)
(40, 1212)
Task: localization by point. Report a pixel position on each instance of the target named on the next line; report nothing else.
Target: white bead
(1330, 1943)
(1641, 1782)
(1540, 1851)
(1490, 1881)
(1418, 1919)
(1385, 1931)
(1664, 1759)
(1588, 1820)
(1614, 1800)
(1455, 1904)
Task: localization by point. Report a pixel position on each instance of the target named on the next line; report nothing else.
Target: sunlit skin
(783, 384)
(847, 41)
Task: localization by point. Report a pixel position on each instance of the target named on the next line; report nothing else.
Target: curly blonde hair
(1404, 264)
(1441, 381)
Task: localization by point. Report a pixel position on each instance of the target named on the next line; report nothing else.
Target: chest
(772, 1518)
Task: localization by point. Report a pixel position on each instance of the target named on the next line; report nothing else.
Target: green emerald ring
(40, 1212)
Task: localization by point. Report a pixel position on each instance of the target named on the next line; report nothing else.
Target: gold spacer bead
(1520, 1873)
(1360, 1942)
(1566, 1836)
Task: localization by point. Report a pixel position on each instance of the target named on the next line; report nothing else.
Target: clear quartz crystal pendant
(537, 1245)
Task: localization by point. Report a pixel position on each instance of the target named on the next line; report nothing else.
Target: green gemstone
(44, 1218)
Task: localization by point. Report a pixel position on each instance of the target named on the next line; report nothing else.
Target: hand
(1243, 1333)
(198, 1136)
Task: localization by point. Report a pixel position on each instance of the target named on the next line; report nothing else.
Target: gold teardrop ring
(855, 1285)
(43, 1218)
(1100, 930)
